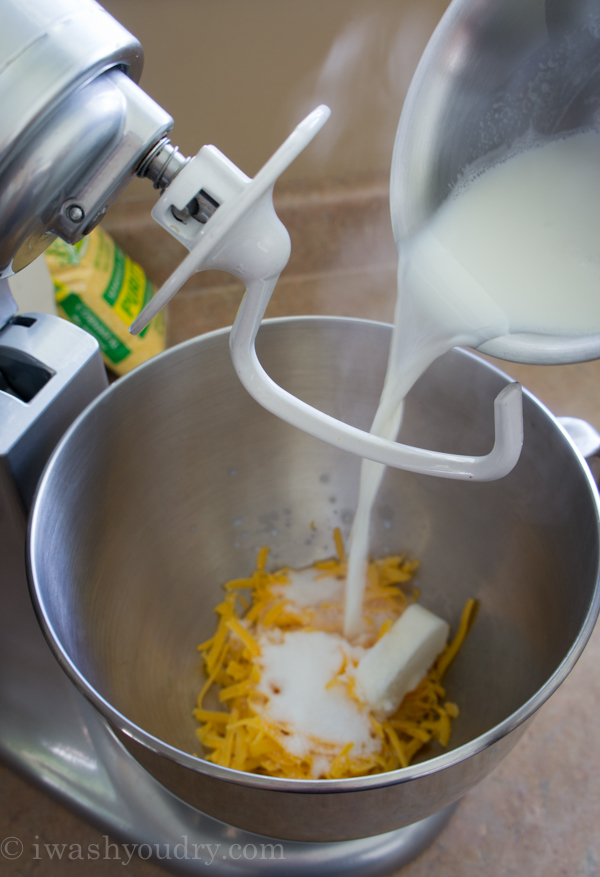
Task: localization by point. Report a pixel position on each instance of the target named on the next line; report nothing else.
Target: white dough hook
(245, 237)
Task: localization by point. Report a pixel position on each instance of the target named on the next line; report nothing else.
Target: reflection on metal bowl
(171, 479)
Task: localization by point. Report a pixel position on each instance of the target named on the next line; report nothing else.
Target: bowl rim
(281, 784)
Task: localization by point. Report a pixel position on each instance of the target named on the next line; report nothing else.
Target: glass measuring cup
(496, 74)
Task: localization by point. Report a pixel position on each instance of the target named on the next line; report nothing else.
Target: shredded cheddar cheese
(248, 737)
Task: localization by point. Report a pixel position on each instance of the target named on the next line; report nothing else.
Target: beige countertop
(538, 812)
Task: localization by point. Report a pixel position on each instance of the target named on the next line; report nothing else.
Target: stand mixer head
(75, 127)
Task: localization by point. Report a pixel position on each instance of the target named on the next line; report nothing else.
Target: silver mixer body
(75, 128)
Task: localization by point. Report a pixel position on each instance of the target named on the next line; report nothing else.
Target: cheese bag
(99, 288)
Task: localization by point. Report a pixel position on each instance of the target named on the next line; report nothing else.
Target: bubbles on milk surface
(515, 248)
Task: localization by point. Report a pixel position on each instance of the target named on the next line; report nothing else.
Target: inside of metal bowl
(175, 477)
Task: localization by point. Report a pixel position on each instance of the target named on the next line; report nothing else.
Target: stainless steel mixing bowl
(172, 479)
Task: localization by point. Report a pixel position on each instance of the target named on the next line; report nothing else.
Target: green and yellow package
(102, 290)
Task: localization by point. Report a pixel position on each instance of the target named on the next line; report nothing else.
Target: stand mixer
(95, 129)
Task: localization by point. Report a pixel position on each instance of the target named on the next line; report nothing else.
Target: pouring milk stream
(512, 249)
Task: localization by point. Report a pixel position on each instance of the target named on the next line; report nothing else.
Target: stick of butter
(400, 659)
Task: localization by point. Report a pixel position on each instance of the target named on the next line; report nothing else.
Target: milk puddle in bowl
(511, 250)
